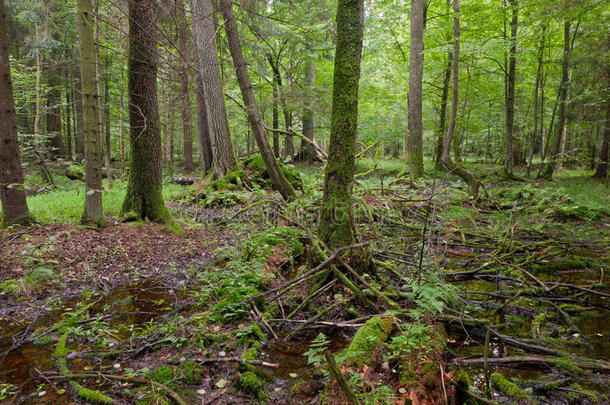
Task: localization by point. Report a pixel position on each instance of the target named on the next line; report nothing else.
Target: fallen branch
(237, 360)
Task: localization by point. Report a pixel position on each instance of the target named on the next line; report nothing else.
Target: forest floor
(502, 300)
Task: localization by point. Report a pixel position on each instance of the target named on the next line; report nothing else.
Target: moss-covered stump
(368, 340)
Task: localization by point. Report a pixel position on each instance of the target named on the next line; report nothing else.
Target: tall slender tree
(510, 92)
(144, 198)
(223, 156)
(416, 71)
(183, 34)
(93, 213)
(12, 192)
(280, 182)
(337, 216)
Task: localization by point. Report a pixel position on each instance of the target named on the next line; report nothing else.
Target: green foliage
(415, 338)
(260, 245)
(163, 375)
(250, 335)
(315, 354)
(191, 372)
(7, 390)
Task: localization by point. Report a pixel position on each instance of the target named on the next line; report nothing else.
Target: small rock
(222, 353)
(116, 365)
(42, 393)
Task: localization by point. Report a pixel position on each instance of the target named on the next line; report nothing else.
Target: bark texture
(93, 213)
(510, 92)
(306, 151)
(144, 197)
(12, 193)
(602, 166)
(223, 156)
(416, 70)
(337, 217)
(258, 128)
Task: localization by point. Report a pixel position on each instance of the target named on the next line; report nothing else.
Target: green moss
(369, 337)
(251, 335)
(250, 354)
(507, 387)
(249, 383)
(163, 375)
(191, 372)
(568, 367)
(154, 398)
(90, 395)
(568, 264)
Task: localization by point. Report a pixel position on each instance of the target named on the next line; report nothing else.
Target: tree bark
(12, 192)
(93, 213)
(443, 113)
(223, 157)
(184, 88)
(79, 135)
(258, 128)
(337, 227)
(602, 166)
(464, 174)
(416, 70)
(561, 100)
(205, 143)
(510, 92)
(69, 99)
(144, 198)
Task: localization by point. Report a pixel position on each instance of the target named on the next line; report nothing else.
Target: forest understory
(498, 300)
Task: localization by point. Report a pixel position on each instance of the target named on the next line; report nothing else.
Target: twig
(237, 360)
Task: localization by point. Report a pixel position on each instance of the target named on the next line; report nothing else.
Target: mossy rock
(257, 165)
(369, 338)
(75, 172)
(507, 387)
(250, 383)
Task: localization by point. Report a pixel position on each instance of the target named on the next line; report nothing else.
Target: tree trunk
(69, 99)
(275, 122)
(100, 102)
(289, 140)
(121, 118)
(306, 151)
(602, 165)
(93, 213)
(416, 70)
(205, 143)
(337, 227)
(464, 174)
(184, 89)
(277, 177)
(144, 198)
(510, 93)
(223, 156)
(79, 135)
(12, 192)
(443, 113)
(53, 115)
(561, 100)
(532, 139)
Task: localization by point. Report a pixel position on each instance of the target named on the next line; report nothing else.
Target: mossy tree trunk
(416, 71)
(12, 193)
(280, 182)
(93, 213)
(453, 167)
(144, 197)
(209, 68)
(337, 217)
